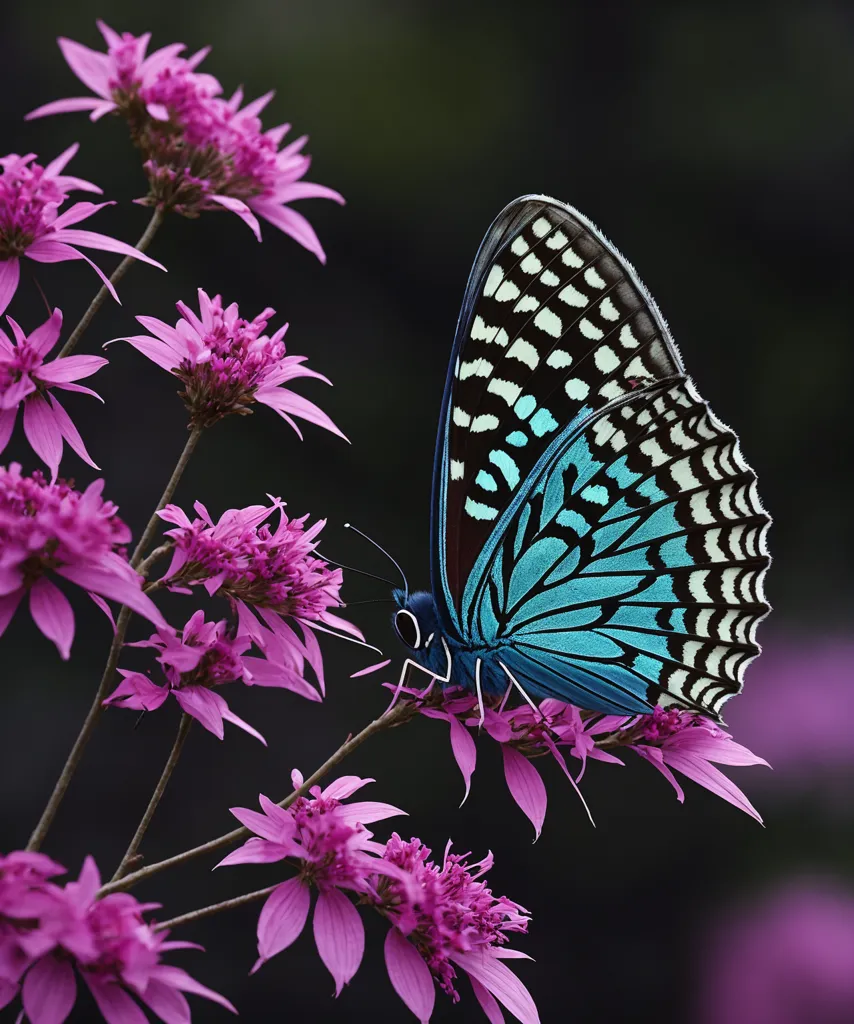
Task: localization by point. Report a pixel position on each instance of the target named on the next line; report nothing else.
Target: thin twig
(166, 497)
(157, 218)
(215, 908)
(131, 852)
(94, 713)
(399, 714)
(155, 556)
(96, 709)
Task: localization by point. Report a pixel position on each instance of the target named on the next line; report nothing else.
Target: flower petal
(498, 979)
(124, 589)
(697, 768)
(167, 1002)
(204, 706)
(292, 223)
(90, 66)
(7, 425)
(67, 106)
(409, 975)
(43, 432)
(52, 613)
(526, 787)
(229, 716)
(46, 335)
(487, 1002)
(69, 431)
(10, 275)
(68, 368)
(8, 606)
(283, 401)
(242, 210)
(282, 918)
(256, 851)
(49, 991)
(115, 1004)
(340, 936)
(366, 811)
(178, 978)
(95, 240)
(138, 693)
(465, 752)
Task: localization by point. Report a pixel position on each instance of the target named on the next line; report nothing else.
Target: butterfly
(596, 534)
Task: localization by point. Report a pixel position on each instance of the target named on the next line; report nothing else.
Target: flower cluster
(269, 575)
(50, 529)
(32, 226)
(48, 931)
(200, 151)
(668, 739)
(26, 379)
(443, 916)
(227, 363)
(205, 655)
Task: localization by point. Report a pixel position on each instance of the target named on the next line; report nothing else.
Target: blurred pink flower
(782, 959)
(31, 224)
(49, 529)
(201, 152)
(202, 657)
(334, 851)
(267, 574)
(114, 951)
(226, 363)
(444, 919)
(26, 379)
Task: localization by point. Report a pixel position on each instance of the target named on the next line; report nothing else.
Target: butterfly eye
(407, 628)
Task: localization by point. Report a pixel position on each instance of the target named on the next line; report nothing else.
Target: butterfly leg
(515, 682)
(479, 691)
(446, 678)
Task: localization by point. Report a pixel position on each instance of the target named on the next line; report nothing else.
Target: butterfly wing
(592, 518)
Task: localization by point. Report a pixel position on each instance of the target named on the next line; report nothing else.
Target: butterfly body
(596, 533)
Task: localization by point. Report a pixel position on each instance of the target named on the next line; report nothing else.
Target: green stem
(400, 713)
(157, 218)
(131, 854)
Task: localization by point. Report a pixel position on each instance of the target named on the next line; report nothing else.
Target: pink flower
(335, 851)
(226, 364)
(114, 951)
(267, 574)
(51, 530)
(201, 152)
(26, 379)
(204, 656)
(31, 224)
(444, 919)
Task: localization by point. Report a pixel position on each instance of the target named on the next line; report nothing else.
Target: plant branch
(131, 855)
(215, 908)
(157, 218)
(401, 713)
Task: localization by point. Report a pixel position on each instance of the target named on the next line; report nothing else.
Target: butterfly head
(415, 620)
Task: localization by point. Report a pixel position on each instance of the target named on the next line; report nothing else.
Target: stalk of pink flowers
(195, 663)
(32, 225)
(227, 363)
(50, 936)
(201, 152)
(26, 380)
(50, 531)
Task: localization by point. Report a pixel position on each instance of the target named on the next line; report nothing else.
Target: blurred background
(715, 144)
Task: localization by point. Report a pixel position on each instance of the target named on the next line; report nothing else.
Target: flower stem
(166, 497)
(94, 713)
(131, 855)
(215, 908)
(96, 708)
(401, 713)
(157, 218)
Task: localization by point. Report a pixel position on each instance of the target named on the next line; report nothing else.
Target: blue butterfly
(597, 536)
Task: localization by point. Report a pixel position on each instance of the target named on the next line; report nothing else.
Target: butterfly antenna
(379, 547)
(350, 568)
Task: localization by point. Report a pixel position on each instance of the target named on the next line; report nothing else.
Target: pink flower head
(335, 851)
(49, 530)
(26, 379)
(201, 152)
(114, 950)
(202, 657)
(445, 918)
(31, 224)
(269, 572)
(226, 363)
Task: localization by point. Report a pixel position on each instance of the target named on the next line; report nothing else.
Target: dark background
(715, 144)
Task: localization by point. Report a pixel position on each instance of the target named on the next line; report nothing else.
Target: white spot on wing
(606, 359)
(549, 322)
(594, 278)
(481, 331)
(577, 389)
(572, 296)
(484, 422)
(571, 259)
(475, 368)
(549, 278)
(530, 264)
(460, 417)
(541, 227)
(524, 352)
(557, 241)
(493, 280)
(519, 246)
(608, 310)
(507, 292)
(526, 304)
(590, 330)
(457, 469)
(559, 359)
(505, 389)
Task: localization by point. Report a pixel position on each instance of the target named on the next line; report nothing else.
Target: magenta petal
(487, 1002)
(92, 68)
(204, 706)
(242, 210)
(292, 223)
(53, 615)
(123, 589)
(178, 978)
(364, 812)
(229, 716)
(70, 432)
(409, 975)
(526, 787)
(260, 824)
(465, 751)
(95, 240)
(137, 692)
(49, 991)
(282, 918)
(501, 982)
(656, 758)
(167, 1002)
(115, 1004)
(157, 351)
(10, 275)
(42, 432)
(8, 991)
(7, 425)
(345, 786)
(67, 106)
(283, 401)
(711, 778)
(255, 851)
(69, 368)
(340, 936)
(8, 606)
